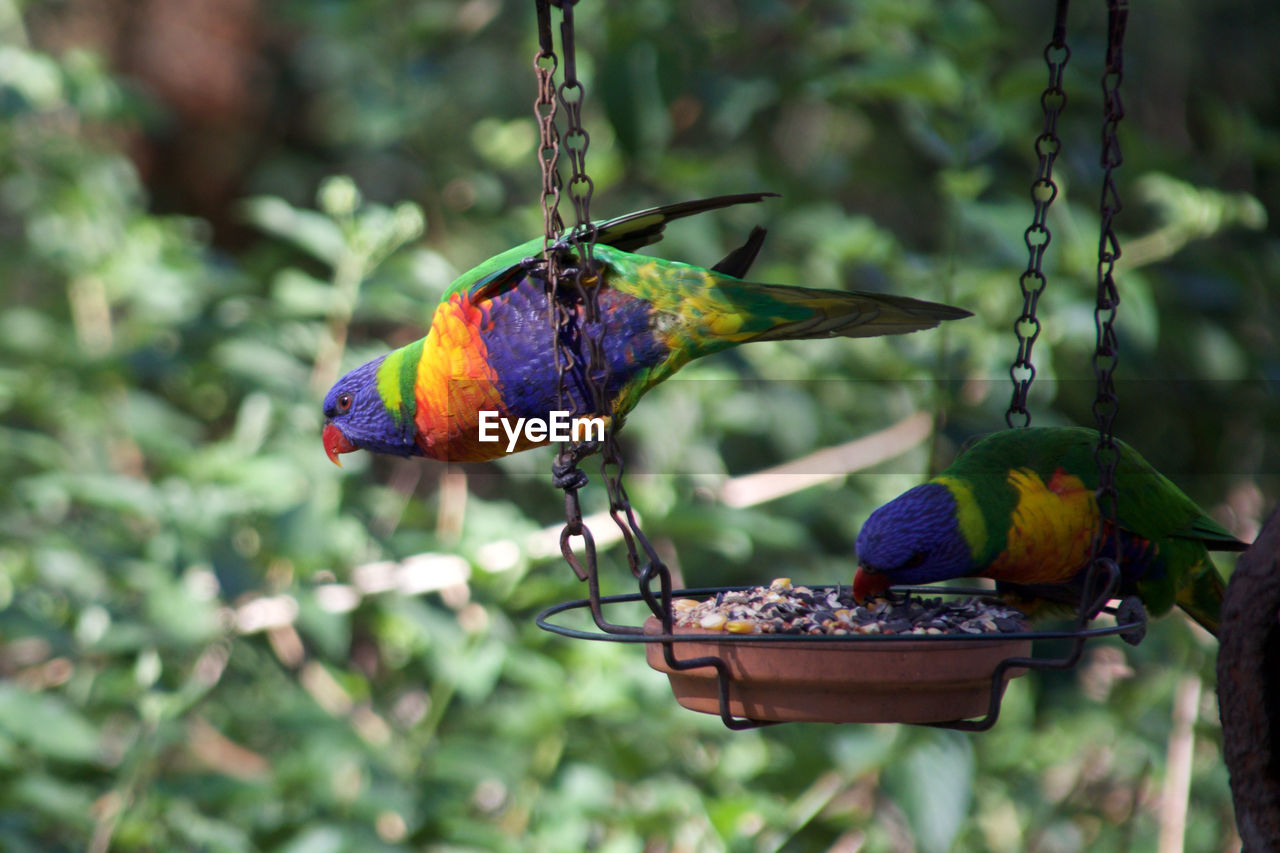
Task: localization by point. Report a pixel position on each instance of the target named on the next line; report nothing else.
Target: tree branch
(1249, 689)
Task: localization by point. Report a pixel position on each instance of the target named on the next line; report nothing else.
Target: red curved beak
(335, 442)
(868, 585)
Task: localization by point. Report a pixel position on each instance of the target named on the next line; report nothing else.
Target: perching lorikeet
(1020, 507)
(489, 347)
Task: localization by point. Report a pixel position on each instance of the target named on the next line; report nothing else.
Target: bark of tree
(1249, 689)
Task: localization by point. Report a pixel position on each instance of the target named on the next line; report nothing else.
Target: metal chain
(544, 111)
(575, 142)
(1106, 353)
(576, 139)
(1037, 236)
(575, 318)
(580, 187)
(545, 64)
(571, 333)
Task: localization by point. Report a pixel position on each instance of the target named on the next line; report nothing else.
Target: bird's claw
(1132, 612)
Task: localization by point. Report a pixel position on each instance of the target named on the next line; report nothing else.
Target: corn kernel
(713, 621)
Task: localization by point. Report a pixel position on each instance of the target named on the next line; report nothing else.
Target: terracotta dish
(868, 681)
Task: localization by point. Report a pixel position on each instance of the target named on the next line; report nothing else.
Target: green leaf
(314, 233)
(51, 797)
(933, 785)
(317, 839)
(303, 295)
(37, 78)
(47, 724)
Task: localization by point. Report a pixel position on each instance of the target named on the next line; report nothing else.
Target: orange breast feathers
(1051, 530)
(454, 383)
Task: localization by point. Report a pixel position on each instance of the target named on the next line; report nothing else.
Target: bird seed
(781, 608)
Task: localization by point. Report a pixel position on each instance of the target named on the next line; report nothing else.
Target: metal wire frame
(1130, 625)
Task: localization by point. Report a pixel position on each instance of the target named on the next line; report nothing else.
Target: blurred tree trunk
(208, 65)
(1249, 689)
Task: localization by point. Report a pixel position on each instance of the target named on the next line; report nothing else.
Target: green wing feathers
(704, 311)
(627, 233)
(1214, 536)
(1150, 507)
(1201, 599)
(1200, 594)
(805, 312)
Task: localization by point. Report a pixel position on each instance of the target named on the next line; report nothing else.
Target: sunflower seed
(782, 608)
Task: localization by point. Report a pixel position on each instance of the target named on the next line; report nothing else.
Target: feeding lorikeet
(490, 343)
(1020, 507)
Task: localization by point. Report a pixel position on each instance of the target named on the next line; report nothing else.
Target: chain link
(1106, 352)
(588, 329)
(544, 110)
(1043, 191)
(545, 63)
(575, 318)
(558, 320)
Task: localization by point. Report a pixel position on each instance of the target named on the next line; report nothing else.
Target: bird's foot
(1132, 612)
(588, 275)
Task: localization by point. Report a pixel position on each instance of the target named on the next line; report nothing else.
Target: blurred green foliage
(211, 639)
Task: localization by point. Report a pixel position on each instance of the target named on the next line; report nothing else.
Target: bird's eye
(917, 560)
(344, 403)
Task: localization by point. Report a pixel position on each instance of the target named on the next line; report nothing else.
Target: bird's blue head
(916, 538)
(358, 417)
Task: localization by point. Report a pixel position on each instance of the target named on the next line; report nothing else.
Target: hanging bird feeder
(938, 677)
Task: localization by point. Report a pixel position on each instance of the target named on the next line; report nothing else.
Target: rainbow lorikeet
(1020, 507)
(489, 348)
